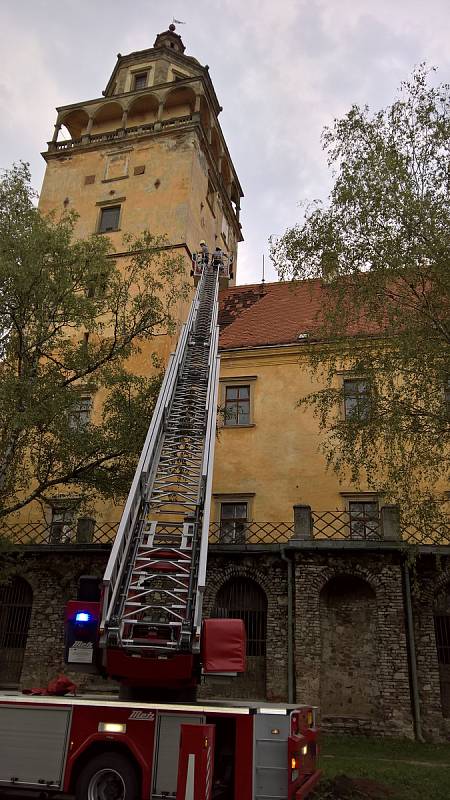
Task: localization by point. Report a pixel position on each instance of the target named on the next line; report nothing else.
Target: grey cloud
(281, 71)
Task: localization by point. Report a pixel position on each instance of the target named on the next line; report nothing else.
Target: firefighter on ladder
(217, 260)
(204, 253)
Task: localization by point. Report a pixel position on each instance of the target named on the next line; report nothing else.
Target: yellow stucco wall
(275, 460)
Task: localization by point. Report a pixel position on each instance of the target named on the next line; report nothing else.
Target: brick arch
(352, 571)
(435, 587)
(214, 585)
(16, 604)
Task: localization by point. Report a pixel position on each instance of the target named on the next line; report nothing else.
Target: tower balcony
(87, 139)
(153, 111)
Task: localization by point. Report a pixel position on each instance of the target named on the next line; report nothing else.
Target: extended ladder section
(155, 578)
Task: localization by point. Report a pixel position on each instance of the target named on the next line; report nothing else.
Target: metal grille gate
(16, 599)
(241, 598)
(442, 631)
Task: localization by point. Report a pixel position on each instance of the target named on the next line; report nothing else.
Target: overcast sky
(282, 69)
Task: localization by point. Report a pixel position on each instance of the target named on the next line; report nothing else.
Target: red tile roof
(268, 314)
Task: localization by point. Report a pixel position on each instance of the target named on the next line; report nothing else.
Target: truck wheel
(109, 776)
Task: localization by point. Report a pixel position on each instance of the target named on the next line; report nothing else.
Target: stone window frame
(362, 407)
(363, 498)
(240, 380)
(64, 530)
(122, 152)
(81, 413)
(236, 498)
(139, 69)
(117, 201)
(177, 74)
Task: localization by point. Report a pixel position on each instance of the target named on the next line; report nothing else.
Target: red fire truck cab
(103, 750)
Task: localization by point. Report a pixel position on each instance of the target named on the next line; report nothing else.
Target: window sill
(246, 425)
(102, 233)
(119, 178)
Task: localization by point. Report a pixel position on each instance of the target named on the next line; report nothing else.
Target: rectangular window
(97, 286)
(237, 405)
(62, 526)
(356, 399)
(140, 81)
(80, 413)
(109, 219)
(233, 523)
(447, 396)
(364, 519)
(210, 195)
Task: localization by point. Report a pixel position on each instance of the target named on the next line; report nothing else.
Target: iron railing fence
(85, 531)
(231, 532)
(324, 525)
(346, 525)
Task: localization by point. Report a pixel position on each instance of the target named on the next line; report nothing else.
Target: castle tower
(149, 154)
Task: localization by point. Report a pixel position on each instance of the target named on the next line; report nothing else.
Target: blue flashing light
(82, 616)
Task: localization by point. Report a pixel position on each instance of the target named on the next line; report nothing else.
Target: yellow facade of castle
(150, 154)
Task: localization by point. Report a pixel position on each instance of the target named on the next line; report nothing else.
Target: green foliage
(70, 320)
(381, 245)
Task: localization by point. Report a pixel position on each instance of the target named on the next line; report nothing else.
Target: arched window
(442, 633)
(242, 598)
(16, 599)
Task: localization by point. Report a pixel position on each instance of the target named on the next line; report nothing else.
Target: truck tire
(108, 776)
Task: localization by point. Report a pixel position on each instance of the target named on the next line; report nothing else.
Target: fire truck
(145, 630)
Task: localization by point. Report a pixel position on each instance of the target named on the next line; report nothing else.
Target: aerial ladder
(155, 741)
(152, 595)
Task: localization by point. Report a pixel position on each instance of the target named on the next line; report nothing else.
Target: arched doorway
(442, 633)
(16, 599)
(242, 598)
(349, 659)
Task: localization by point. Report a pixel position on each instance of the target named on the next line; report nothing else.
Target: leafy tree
(381, 246)
(70, 321)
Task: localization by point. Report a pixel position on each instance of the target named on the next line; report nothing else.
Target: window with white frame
(236, 405)
(364, 519)
(356, 398)
(233, 522)
(63, 523)
(80, 413)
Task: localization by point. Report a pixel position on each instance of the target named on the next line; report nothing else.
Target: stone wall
(431, 578)
(387, 706)
(349, 633)
(269, 572)
(53, 579)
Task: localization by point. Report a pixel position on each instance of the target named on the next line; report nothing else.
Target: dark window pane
(233, 518)
(237, 405)
(364, 520)
(243, 414)
(109, 219)
(356, 399)
(243, 599)
(140, 81)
